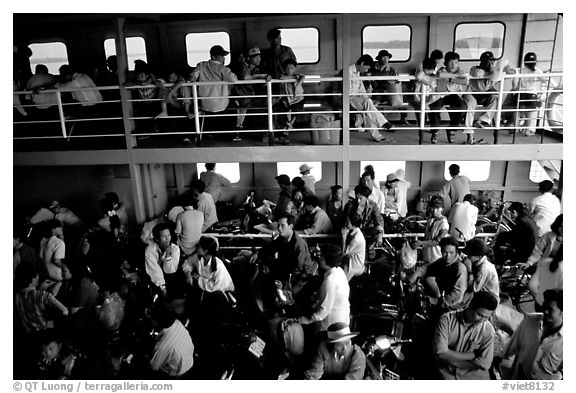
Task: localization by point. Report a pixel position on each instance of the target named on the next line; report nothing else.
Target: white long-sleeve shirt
(544, 209)
(174, 351)
(208, 280)
(334, 305)
(355, 252)
(157, 264)
(463, 217)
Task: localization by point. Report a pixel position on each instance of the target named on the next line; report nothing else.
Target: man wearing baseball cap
(491, 77)
(213, 70)
(337, 357)
(382, 68)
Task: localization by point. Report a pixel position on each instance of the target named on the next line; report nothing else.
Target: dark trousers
(453, 101)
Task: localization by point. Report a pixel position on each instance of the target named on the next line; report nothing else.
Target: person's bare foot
(161, 114)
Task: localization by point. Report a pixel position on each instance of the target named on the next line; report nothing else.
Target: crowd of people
(439, 78)
(73, 280)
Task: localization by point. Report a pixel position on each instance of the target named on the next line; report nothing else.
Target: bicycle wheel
(525, 302)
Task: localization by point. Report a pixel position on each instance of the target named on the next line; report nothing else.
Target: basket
(325, 137)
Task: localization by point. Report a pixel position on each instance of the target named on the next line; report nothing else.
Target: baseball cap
(217, 50)
(486, 56)
(253, 51)
(530, 57)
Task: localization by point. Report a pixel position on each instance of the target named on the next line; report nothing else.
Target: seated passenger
(529, 96)
(426, 82)
(335, 207)
(161, 259)
(354, 247)
(204, 203)
(547, 245)
(87, 97)
(45, 102)
(372, 225)
(368, 179)
(214, 70)
(150, 90)
(451, 83)
(333, 305)
(35, 308)
(359, 100)
(285, 196)
(177, 99)
(337, 357)
(382, 68)
(53, 253)
(315, 221)
(446, 278)
(173, 353)
(208, 270)
(462, 219)
(436, 230)
(112, 207)
(517, 244)
(482, 272)
(539, 340)
(492, 75)
(464, 340)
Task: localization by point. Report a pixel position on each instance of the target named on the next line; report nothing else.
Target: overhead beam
(78, 157)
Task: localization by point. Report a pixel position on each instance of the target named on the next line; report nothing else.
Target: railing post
(499, 109)
(270, 119)
(196, 113)
(61, 114)
(422, 114)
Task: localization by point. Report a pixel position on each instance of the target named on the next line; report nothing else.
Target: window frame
(297, 164)
(318, 44)
(126, 38)
(50, 42)
(208, 51)
(480, 23)
(542, 169)
(201, 168)
(448, 163)
(388, 25)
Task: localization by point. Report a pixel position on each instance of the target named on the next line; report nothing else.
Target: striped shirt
(33, 308)
(174, 351)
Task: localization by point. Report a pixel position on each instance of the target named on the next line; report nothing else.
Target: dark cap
(487, 56)
(217, 50)
(273, 33)
(475, 248)
(436, 201)
(283, 179)
(530, 57)
(383, 53)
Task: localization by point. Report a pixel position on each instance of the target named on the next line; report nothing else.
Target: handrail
(406, 108)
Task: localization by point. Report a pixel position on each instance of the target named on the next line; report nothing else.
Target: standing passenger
(292, 94)
(309, 180)
(545, 208)
(462, 219)
(205, 204)
(274, 57)
(213, 181)
(456, 188)
(436, 229)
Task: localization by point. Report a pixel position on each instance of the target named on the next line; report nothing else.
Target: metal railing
(321, 100)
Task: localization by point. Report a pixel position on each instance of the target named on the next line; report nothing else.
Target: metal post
(499, 109)
(61, 114)
(270, 119)
(196, 114)
(345, 105)
(422, 114)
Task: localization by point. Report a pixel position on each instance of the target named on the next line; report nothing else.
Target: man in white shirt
(213, 181)
(456, 189)
(360, 101)
(377, 196)
(314, 221)
(205, 204)
(309, 180)
(161, 257)
(545, 208)
(189, 228)
(211, 71)
(462, 219)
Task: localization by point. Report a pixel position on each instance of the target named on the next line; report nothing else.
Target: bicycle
(514, 282)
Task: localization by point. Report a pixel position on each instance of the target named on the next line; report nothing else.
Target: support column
(345, 105)
(135, 177)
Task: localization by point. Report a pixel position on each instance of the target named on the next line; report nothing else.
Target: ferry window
(198, 46)
(395, 39)
(135, 48)
(51, 54)
(230, 170)
(472, 39)
(304, 42)
(473, 170)
(292, 169)
(381, 169)
(538, 172)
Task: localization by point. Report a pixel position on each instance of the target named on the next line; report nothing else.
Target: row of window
(470, 40)
(474, 170)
